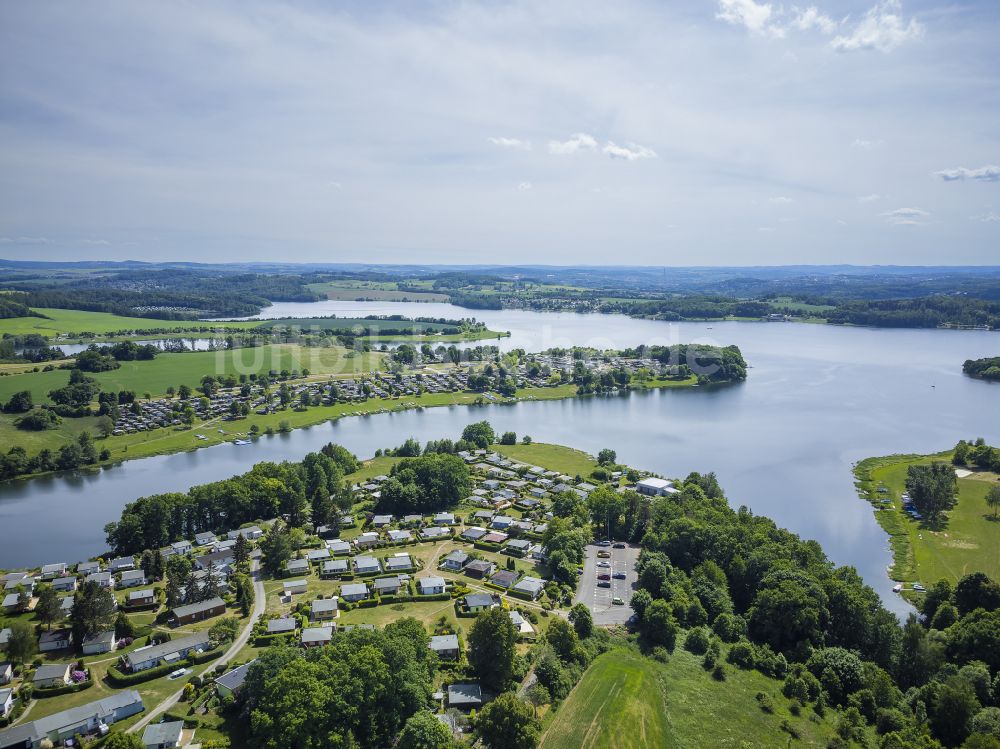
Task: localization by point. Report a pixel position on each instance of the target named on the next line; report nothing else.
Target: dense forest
(928, 312)
(12, 305)
(983, 369)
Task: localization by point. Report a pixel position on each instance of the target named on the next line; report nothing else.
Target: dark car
(619, 546)
(619, 576)
(604, 576)
(603, 583)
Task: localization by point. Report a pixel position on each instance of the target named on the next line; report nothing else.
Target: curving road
(238, 643)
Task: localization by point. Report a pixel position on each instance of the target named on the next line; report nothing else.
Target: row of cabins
(91, 718)
(482, 569)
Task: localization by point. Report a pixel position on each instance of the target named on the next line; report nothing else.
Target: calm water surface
(817, 399)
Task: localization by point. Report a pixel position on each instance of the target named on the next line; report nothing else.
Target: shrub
(742, 655)
(765, 702)
(719, 672)
(696, 641)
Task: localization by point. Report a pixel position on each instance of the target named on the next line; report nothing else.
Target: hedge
(120, 679)
(484, 546)
(262, 641)
(40, 692)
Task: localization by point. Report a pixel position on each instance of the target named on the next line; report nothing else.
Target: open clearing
(102, 323)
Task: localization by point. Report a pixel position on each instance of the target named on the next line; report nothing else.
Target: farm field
(969, 541)
(156, 375)
(102, 323)
(374, 291)
(554, 457)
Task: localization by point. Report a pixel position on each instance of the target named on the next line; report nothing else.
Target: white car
(604, 564)
(179, 673)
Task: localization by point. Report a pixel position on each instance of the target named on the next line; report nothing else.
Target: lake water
(818, 398)
(192, 344)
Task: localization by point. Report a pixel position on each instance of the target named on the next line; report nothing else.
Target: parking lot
(599, 599)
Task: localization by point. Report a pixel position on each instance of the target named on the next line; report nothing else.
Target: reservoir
(817, 399)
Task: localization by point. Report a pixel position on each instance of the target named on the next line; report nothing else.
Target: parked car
(604, 576)
(603, 583)
(919, 588)
(179, 673)
(619, 545)
(619, 576)
(604, 543)
(604, 554)
(616, 601)
(604, 564)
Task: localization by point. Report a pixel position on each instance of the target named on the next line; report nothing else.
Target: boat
(242, 442)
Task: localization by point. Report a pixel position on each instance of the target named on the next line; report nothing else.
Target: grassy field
(553, 457)
(626, 700)
(969, 541)
(156, 375)
(619, 703)
(102, 323)
(385, 291)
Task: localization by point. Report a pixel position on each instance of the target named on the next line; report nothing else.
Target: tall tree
(22, 643)
(491, 648)
(47, 609)
(508, 722)
(93, 612)
(424, 731)
(933, 489)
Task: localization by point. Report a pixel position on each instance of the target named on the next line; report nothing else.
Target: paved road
(599, 599)
(238, 643)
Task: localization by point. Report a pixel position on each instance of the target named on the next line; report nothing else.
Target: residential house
(170, 651)
(338, 547)
(532, 587)
(65, 584)
(51, 675)
(398, 563)
(282, 626)
(6, 700)
(367, 540)
(315, 637)
(517, 547)
(354, 592)
(122, 563)
(295, 567)
(522, 625)
(323, 608)
(455, 561)
(83, 719)
(476, 602)
(163, 735)
(434, 531)
(250, 533)
(88, 568)
(387, 586)
(430, 586)
(494, 537)
(230, 682)
(132, 579)
(223, 560)
(446, 647)
(479, 569)
(465, 696)
(144, 597)
(11, 603)
(205, 538)
(381, 521)
(504, 578)
(334, 567)
(294, 587)
(412, 520)
(55, 639)
(315, 556)
(366, 565)
(6, 672)
(50, 571)
(474, 533)
(181, 547)
(101, 642)
(444, 518)
(196, 612)
(5, 634)
(398, 537)
(104, 579)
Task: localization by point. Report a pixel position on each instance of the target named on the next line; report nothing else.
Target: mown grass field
(373, 290)
(619, 704)
(553, 457)
(102, 323)
(969, 540)
(166, 370)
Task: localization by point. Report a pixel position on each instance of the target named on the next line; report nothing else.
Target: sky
(688, 132)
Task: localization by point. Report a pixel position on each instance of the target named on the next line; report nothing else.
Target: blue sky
(688, 132)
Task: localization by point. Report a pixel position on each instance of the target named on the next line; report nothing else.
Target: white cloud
(524, 186)
(906, 216)
(779, 200)
(756, 17)
(765, 229)
(866, 145)
(515, 143)
(812, 18)
(97, 242)
(988, 218)
(576, 142)
(630, 153)
(882, 28)
(989, 173)
(24, 240)
(869, 198)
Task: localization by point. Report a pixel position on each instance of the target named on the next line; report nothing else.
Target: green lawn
(619, 703)
(156, 375)
(102, 323)
(553, 457)
(373, 290)
(969, 540)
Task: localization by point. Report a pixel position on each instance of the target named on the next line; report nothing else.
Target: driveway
(238, 643)
(599, 599)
